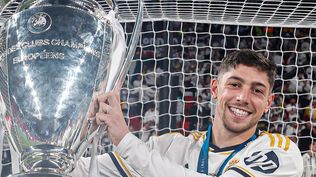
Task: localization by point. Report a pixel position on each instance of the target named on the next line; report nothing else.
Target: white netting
(167, 89)
(176, 60)
(182, 43)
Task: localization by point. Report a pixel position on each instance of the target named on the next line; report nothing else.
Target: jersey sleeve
(170, 146)
(149, 162)
(105, 165)
(270, 155)
(173, 146)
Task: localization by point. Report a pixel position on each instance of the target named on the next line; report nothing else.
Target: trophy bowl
(55, 57)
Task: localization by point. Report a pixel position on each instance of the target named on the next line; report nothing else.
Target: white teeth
(239, 112)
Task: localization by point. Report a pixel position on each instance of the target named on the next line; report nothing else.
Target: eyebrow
(243, 81)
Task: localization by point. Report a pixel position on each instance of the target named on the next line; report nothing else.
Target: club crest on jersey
(233, 162)
(265, 162)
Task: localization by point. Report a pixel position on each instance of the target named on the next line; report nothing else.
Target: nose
(243, 96)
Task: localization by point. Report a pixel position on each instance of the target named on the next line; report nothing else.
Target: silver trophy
(55, 57)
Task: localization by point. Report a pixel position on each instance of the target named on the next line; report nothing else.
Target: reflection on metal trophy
(55, 56)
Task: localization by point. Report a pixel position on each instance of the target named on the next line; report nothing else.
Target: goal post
(284, 13)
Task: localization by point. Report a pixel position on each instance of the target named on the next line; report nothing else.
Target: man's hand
(110, 113)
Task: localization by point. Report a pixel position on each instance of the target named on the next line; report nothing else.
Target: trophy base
(38, 174)
(44, 159)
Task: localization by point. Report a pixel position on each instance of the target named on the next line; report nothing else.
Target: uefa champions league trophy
(55, 56)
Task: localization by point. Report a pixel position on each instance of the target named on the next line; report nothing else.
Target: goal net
(181, 46)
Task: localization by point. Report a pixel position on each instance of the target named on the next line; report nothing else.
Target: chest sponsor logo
(265, 162)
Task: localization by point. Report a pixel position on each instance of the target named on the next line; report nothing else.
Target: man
(232, 146)
(150, 119)
(309, 160)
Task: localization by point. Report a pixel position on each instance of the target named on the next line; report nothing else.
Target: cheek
(221, 97)
(224, 97)
(262, 105)
(227, 95)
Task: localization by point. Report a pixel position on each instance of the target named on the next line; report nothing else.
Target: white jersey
(175, 155)
(309, 165)
(109, 165)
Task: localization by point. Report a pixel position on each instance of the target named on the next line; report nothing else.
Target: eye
(234, 84)
(258, 91)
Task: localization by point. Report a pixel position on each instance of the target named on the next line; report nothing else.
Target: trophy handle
(112, 3)
(129, 56)
(132, 43)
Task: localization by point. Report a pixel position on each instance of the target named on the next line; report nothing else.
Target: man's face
(243, 95)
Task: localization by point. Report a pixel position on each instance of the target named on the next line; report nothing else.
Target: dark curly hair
(249, 58)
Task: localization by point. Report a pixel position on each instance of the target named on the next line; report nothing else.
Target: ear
(270, 101)
(214, 86)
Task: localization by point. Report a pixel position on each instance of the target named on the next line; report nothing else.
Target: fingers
(103, 106)
(112, 98)
(108, 106)
(100, 118)
(107, 114)
(110, 114)
(116, 93)
(93, 108)
(104, 111)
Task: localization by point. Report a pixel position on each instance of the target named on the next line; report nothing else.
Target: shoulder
(198, 136)
(275, 141)
(194, 136)
(273, 154)
(175, 146)
(277, 144)
(175, 139)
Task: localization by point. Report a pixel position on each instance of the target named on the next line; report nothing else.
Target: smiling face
(243, 94)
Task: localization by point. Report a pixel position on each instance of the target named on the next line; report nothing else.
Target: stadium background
(167, 87)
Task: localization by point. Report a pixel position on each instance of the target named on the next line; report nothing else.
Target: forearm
(104, 166)
(149, 162)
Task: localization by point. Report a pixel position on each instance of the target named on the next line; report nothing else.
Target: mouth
(239, 113)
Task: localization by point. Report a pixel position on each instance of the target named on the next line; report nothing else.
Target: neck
(221, 137)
